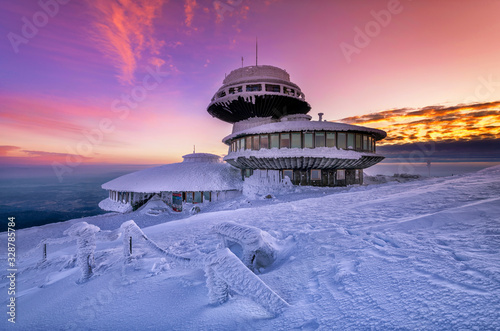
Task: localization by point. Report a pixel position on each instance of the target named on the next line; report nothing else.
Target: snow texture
(289, 126)
(321, 152)
(110, 205)
(257, 245)
(85, 234)
(227, 267)
(413, 255)
(179, 177)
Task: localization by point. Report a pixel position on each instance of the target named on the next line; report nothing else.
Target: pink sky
(61, 87)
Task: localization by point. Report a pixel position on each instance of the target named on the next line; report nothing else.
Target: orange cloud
(435, 123)
(124, 31)
(4, 150)
(189, 7)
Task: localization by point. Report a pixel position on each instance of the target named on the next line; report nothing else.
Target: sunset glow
(129, 81)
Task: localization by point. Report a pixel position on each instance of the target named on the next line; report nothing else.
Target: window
(350, 141)
(288, 173)
(207, 196)
(255, 141)
(308, 140)
(365, 143)
(254, 87)
(233, 146)
(356, 174)
(373, 146)
(221, 94)
(238, 89)
(330, 139)
(288, 91)
(315, 174)
(189, 197)
(359, 145)
(319, 139)
(340, 174)
(264, 141)
(285, 140)
(296, 141)
(341, 143)
(275, 140)
(248, 172)
(241, 144)
(272, 88)
(248, 142)
(197, 197)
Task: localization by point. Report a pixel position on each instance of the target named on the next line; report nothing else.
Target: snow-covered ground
(421, 254)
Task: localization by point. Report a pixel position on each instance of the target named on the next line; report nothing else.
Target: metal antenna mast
(256, 51)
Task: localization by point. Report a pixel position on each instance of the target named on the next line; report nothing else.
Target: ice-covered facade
(200, 178)
(273, 137)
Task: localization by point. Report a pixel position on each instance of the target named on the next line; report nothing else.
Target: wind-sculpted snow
(85, 236)
(130, 229)
(418, 255)
(226, 266)
(258, 251)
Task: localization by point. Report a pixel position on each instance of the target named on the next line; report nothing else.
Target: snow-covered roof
(262, 71)
(201, 157)
(288, 126)
(323, 152)
(183, 176)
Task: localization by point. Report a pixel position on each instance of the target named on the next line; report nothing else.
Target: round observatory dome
(257, 91)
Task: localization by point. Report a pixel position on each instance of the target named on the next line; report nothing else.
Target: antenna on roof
(256, 51)
(242, 61)
(194, 149)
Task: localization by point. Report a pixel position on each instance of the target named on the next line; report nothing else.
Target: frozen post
(85, 235)
(44, 257)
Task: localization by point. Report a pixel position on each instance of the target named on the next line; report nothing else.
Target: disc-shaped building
(273, 137)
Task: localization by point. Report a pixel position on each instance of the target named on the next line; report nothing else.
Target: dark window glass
(288, 91)
(248, 142)
(330, 139)
(350, 141)
(288, 173)
(319, 139)
(236, 89)
(255, 141)
(221, 94)
(315, 174)
(242, 143)
(254, 87)
(264, 141)
(308, 140)
(340, 174)
(296, 140)
(359, 138)
(206, 196)
(197, 197)
(285, 140)
(248, 172)
(272, 88)
(341, 143)
(189, 197)
(275, 140)
(365, 143)
(373, 147)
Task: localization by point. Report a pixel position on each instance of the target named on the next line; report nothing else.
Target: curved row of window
(276, 88)
(342, 140)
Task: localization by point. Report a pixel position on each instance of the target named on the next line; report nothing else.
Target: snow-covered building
(273, 137)
(200, 178)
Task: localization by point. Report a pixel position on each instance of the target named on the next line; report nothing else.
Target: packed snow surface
(289, 126)
(183, 176)
(423, 254)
